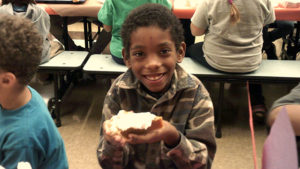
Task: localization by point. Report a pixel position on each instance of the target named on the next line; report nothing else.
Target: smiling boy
(153, 45)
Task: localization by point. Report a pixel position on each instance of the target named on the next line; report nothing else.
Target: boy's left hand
(168, 133)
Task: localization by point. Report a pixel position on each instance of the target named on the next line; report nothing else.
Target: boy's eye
(138, 54)
(165, 51)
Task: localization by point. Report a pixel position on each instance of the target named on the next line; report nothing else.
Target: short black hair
(20, 47)
(151, 14)
(4, 2)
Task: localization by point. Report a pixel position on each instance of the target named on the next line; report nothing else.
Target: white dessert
(24, 165)
(125, 122)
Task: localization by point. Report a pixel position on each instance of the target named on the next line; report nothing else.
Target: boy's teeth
(154, 77)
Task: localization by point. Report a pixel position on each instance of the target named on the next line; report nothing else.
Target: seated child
(28, 132)
(41, 19)
(153, 45)
(291, 102)
(233, 40)
(112, 15)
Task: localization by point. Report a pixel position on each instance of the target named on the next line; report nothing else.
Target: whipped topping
(125, 120)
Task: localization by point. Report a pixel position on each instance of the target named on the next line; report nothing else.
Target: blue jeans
(281, 29)
(118, 60)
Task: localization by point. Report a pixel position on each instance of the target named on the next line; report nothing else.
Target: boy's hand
(168, 133)
(113, 137)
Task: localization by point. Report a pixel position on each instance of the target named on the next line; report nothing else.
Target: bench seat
(65, 63)
(270, 71)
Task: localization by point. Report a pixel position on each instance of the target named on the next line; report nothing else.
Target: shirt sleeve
(105, 14)
(200, 18)
(166, 3)
(292, 98)
(270, 17)
(25, 154)
(108, 155)
(197, 146)
(44, 23)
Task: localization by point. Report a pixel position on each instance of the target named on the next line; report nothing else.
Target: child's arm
(293, 112)
(107, 28)
(270, 16)
(199, 20)
(196, 31)
(196, 146)
(168, 134)
(105, 15)
(111, 152)
(43, 24)
(115, 139)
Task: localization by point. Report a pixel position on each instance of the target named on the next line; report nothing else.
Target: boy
(112, 15)
(153, 45)
(27, 132)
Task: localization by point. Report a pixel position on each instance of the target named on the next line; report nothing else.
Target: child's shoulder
(183, 75)
(125, 80)
(5, 8)
(189, 80)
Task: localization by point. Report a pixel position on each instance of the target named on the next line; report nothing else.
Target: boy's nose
(153, 62)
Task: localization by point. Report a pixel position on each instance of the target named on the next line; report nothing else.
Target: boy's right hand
(113, 137)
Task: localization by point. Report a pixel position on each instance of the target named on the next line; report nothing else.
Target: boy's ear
(181, 52)
(126, 58)
(7, 78)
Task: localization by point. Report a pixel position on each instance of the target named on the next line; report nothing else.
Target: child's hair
(151, 15)
(234, 13)
(18, 2)
(20, 47)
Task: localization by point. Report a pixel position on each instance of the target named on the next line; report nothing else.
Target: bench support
(65, 68)
(218, 115)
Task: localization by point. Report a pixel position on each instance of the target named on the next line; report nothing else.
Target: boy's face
(153, 57)
(1, 85)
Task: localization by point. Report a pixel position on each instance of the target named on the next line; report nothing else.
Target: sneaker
(259, 113)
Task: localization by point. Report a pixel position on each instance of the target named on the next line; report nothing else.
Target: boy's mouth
(154, 77)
